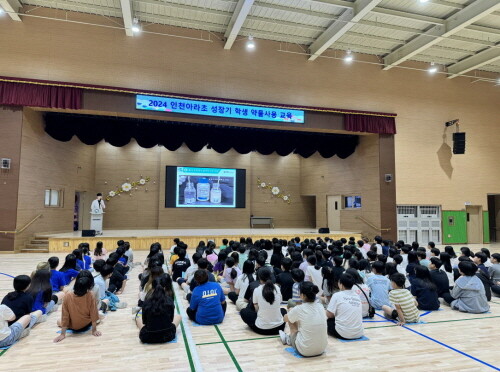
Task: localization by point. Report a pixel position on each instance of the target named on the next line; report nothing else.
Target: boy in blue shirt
(57, 278)
(379, 286)
(208, 303)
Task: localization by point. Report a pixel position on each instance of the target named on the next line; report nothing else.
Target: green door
(486, 227)
(454, 227)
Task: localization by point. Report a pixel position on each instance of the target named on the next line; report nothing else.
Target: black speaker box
(459, 143)
(88, 232)
(324, 230)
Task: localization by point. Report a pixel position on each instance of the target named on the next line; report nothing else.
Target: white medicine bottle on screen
(216, 194)
(189, 193)
(203, 190)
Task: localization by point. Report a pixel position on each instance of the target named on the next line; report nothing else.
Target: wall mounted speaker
(459, 143)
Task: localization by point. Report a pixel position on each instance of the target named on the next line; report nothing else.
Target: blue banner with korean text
(227, 110)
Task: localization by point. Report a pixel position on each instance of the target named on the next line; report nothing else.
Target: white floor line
(187, 330)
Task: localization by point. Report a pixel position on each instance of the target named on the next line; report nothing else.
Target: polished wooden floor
(449, 341)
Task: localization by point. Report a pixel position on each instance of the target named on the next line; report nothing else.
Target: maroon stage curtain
(35, 95)
(370, 124)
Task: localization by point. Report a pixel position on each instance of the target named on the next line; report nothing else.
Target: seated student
(202, 265)
(104, 272)
(403, 305)
(231, 272)
(313, 273)
(267, 318)
(159, 322)
(298, 277)
(468, 292)
(79, 311)
(434, 253)
(344, 312)
(118, 279)
(480, 259)
(20, 302)
(19, 328)
(494, 272)
(69, 268)
(180, 265)
(424, 289)
(86, 256)
(221, 262)
(285, 280)
(184, 282)
(305, 254)
(146, 287)
(241, 285)
(362, 290)
(242, 251)
(412, 263)
(80, 263)
(57, 278)
(41, 291)
(308, 331)
(379, 286)
(398, 260)
(422, 258)
(208, 303)
(100, 253)
(447, 268)
(440, 279)
(430, 247)
(329, 284)
(129, 254)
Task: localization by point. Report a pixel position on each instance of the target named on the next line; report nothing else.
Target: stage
(142, 239)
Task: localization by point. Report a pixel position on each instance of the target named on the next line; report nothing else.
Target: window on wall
(352, 202)
(53, 198)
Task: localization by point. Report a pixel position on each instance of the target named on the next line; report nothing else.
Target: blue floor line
(443, 344)
(10, 276)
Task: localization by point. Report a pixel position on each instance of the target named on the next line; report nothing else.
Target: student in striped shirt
(404, 306)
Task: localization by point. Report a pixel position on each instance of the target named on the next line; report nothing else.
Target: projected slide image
(206, 187)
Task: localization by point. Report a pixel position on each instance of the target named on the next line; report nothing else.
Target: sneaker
(121, 305)
(135, 310)
(285, 339)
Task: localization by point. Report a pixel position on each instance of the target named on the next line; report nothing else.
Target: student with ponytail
(241, 285)
(313, 273)
(307, 322)
(231, 272)
(267, 318)
(159, 322)
(79, 310)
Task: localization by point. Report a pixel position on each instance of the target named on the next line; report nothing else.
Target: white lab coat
(95, 208)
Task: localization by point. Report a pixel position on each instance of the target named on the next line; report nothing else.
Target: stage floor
(142, 239)
(201, 232)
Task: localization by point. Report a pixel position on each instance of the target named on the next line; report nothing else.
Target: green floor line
(238, 368)
(3, 352)
(186, 345)
(245, 339)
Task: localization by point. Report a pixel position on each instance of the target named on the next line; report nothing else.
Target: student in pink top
(100, 253)
(367, 245)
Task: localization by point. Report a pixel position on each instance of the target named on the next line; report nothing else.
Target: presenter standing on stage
(96, 211)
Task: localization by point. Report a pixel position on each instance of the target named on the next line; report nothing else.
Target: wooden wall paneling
(10, 147)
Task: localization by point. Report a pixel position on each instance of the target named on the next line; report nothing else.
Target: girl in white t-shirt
(241, 285)
(313, 273)
(362, 290)
(265, 317)
(307, 322)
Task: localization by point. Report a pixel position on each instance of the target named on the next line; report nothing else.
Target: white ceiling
(460, 35)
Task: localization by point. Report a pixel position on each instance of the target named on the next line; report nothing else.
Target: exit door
(334, 204)
(474, 224)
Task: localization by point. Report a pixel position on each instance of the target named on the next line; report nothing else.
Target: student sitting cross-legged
(307, 322)
(159, 322)
(403, 305)
(345, 311)
(468, 292)
(79, 310)
(208, 303)
(265, 317)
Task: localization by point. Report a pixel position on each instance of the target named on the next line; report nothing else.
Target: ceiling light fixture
(424, 1)
(136, 28)
(1, 10)
(250, 43)
(349, 57)
(433, 69)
